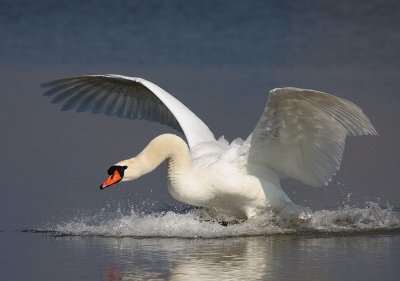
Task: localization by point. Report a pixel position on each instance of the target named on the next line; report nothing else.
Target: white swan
(300, 134)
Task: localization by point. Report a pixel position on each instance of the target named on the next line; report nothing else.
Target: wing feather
(68, 93)
(127, 97)
(124, 108)
(87, 101)
(302, 134)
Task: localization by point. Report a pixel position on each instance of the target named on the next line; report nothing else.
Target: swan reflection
(183, 259)
(244, 258)
(287, 257)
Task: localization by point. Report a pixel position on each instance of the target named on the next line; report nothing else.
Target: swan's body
(208, 180)
(301, 134)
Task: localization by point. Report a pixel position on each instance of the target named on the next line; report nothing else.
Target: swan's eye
(116, 169)
(111, 170)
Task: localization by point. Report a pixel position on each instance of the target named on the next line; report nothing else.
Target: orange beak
(114, 178)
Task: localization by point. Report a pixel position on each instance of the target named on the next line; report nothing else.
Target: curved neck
(167, 147)
(164, 147)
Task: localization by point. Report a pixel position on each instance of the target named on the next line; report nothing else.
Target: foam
(201, 223)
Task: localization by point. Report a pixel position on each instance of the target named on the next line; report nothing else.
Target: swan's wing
(128, 97)
(302, 133)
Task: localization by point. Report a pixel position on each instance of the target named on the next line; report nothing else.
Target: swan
(301, 134)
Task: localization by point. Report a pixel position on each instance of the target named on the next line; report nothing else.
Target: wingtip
(275, 90)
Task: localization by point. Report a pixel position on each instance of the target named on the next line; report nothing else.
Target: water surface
(365, 257)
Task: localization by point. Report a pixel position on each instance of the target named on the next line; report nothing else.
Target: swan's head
(126, 170)
(116, 173)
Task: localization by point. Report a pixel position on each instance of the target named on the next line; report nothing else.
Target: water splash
(202, 223)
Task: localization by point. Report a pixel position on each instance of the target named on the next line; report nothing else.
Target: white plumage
(301, 134)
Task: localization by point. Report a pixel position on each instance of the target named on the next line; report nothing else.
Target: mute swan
(301, 134)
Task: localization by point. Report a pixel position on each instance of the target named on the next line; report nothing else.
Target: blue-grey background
(220, 58)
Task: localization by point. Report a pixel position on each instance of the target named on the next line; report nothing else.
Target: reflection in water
(319, 248)
(222, 259)
(216, 259)
(251, 258)
(112, 274)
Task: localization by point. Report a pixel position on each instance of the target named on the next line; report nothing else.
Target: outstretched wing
(128, 97)
(302, 134)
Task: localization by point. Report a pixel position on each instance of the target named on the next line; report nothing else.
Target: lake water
(220, 58)
(292, 257)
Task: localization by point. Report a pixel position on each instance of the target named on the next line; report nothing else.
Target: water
(349, 243)
(366, 257)
(203, 223)
(220, 58)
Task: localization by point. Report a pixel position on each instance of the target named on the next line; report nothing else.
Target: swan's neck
(164, 147)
